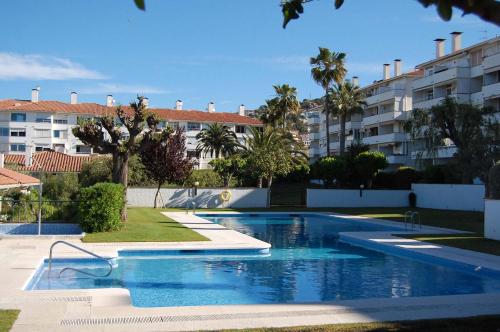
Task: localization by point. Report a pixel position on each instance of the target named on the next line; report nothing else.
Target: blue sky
(227, 51)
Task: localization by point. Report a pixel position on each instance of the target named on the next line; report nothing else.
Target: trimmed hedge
(99, 207)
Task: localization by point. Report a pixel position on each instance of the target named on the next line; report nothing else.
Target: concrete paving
(111, 309)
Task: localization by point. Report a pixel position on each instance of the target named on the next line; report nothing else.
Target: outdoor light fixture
(196, 184)
(361, 187)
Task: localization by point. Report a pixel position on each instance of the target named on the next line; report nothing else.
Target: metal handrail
(411, 217)
(78, 270)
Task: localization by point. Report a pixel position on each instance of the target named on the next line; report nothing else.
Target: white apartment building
(37, 125)
(470, 75)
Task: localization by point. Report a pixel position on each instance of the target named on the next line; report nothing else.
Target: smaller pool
(47, 229)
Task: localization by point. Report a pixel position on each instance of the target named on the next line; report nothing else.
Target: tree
(270, 152)
(329, 169)
(164, 158)
(327, 68)
(269, 113)
(368, 163)
(474, 131)
(347, 99)
(228, 167)
(121, 139)
(216, 139)
(488, 10)
(287, 104)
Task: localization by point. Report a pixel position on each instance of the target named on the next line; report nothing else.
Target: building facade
(28, 126)
(469, 75)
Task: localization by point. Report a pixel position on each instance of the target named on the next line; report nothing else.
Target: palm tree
(269, 113)
(346, 99)
(327, 68)
(286, 102)
(271, 152)
(216, 139)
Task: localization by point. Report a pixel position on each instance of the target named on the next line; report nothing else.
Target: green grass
(475, 324)
(7, 319)
(147, 225)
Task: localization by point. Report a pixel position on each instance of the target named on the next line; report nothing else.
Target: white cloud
(110, 88)
(15, 66)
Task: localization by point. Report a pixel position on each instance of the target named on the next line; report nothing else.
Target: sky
(230, 52)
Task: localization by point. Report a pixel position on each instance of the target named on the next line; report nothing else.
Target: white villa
(470, 75)
(27, 125)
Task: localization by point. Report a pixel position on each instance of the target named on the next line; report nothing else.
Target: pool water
(307, 263)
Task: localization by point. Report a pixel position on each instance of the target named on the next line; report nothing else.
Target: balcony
(491, 61)
(440, 77)
(384, 117)
(491, 91)
(313, 121)
(335, 128)
(477, 98)
(385, 138)
(314, 136)
(441, 153)
(396, 159)
(424, 104)
(384, 95)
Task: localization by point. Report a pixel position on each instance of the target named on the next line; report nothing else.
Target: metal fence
(26, 211)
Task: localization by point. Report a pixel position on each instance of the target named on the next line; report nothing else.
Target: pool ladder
(191, 206)
(412, 218)
(107, 260)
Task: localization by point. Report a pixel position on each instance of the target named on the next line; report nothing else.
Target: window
(476, 58)
(194, 126)
(162, 124)
(17, 147)
(193, 154)
(449, 90)
(60, 134)
(60, 121)
(174, 125)
(240, 129)
(42, 133)
(4, 132)
(429, 95)
(373, 131)
(42, 148)
(18, 117)
(83, 149)
(18, 132)
(43, 120)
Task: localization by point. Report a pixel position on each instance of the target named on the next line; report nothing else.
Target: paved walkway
(111, 310)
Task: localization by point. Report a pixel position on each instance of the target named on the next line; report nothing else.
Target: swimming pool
(307, 263)
(32, 229)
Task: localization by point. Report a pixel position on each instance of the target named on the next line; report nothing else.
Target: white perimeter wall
(466, 197)
(351, 198)
(206, 198)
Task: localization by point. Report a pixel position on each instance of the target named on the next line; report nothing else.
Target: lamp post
(196, 184)
(361, 187)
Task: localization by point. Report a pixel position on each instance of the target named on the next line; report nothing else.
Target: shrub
(412, 200)
(368, 164)
(494, 182)
(441, 174)
(62, 187)
(206, 178)
(99, 207)
(330, 169)
(404, 177)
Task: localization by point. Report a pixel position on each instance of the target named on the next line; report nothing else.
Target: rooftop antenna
(485, 34)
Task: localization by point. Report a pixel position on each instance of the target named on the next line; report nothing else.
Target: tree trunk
(327, 113)
(342, 134)
(120, 175)
(259, 182)
(269, 181)
(156, 196)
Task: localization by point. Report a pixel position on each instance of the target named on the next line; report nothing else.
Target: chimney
(387, 68)
(145, 101)
(74, 98)
(241, 110)
(35, 94)
(178, 105)
(397, 67)
(28, 158)
(355, 81)
(439, 47)
(456, 41)
(211, 107)
(2, 160)
(109, 101)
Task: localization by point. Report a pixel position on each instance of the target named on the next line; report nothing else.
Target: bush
(206, 178)
(441, 174)
(99, 207)
(368, 164)
(404, 177)
(62, 186)
(494, 182)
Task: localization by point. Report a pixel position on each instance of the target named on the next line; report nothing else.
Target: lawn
(7, 319)
(147, 225)
(475, 324)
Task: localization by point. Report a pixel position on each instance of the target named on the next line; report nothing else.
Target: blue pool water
(307, 263)
(47, 229)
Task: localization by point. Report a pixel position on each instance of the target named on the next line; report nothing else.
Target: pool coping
(98, 309)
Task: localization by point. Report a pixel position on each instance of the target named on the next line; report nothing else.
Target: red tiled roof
(11, 178)
(49, 161)
(97, 109)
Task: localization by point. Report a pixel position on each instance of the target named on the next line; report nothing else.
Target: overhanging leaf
(140, 4)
